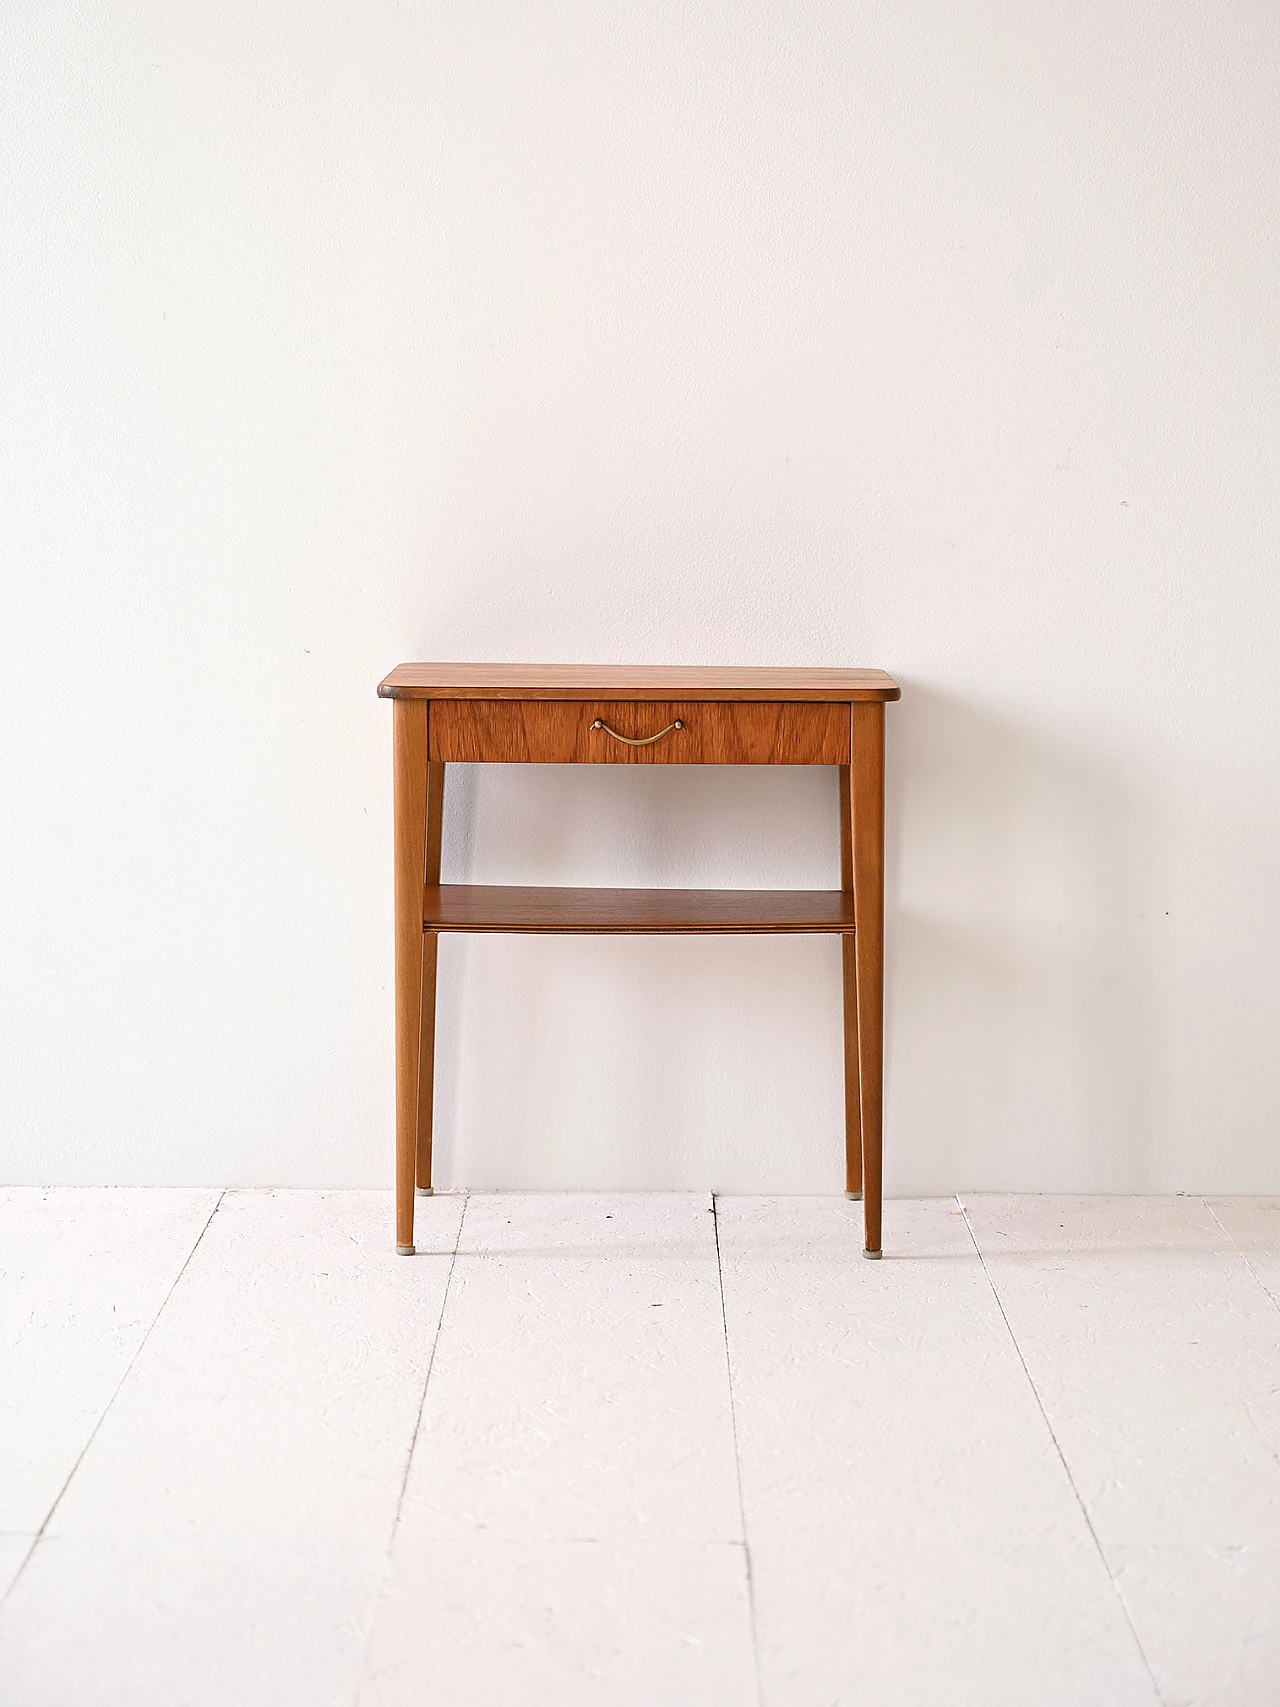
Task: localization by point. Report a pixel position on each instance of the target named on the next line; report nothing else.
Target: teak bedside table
(612, 715)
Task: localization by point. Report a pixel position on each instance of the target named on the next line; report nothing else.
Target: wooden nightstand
(614, 715)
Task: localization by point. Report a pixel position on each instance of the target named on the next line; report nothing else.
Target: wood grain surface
(624, 912)
(866, 803)
(427, 1021)
(849, 951)
(535, 731)
(629, 681)
(410, 794)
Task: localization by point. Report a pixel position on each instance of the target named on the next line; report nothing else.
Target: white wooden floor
(639, 1449)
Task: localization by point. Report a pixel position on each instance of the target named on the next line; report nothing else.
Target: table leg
(409, 744)
(430, 946)
(866, 795)
(848, 954)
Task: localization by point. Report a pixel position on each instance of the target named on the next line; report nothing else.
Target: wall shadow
(1025, 976)
(642, 1063)
(1026, 956)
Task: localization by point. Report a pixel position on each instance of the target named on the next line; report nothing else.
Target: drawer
(600, 732)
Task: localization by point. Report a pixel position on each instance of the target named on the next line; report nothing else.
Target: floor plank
(883, 1419)
(577, 1448)
(83, 1274)
(580, 1390)
(489, 1622)
(1156, 1355)
(225, 1535)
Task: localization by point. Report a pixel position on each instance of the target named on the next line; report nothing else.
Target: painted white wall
(940, 338)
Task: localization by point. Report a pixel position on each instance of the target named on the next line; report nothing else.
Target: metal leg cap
(854, 1196)
(405, 1250)
(872, 1256)
(425, 1190)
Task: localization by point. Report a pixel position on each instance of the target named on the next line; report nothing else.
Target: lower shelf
(625, 912)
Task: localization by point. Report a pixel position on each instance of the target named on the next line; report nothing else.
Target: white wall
(941, 338)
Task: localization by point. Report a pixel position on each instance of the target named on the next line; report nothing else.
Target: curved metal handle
(644, 741)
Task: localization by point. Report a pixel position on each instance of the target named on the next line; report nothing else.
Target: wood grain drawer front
(577, 732)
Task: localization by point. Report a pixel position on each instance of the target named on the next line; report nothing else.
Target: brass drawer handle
(644, 741)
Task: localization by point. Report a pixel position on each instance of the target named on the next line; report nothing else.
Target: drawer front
(601, 732)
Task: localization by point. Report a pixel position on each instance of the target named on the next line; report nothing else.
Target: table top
(632, 681)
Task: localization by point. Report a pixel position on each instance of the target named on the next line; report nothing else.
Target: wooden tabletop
(632, 681)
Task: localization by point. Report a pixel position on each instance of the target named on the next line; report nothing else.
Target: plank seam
(737, 1457)
(413, 1442)
(1062, 1457)
(1240, 1251)
(115, 1394)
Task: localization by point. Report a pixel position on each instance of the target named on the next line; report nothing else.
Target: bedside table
(623, 715)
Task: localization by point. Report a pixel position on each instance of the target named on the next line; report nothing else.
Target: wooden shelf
(628, 912)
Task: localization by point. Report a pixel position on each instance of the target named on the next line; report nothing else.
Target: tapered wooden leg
(409, 741)
(848, 951)
(430, 945)
(866, 793)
